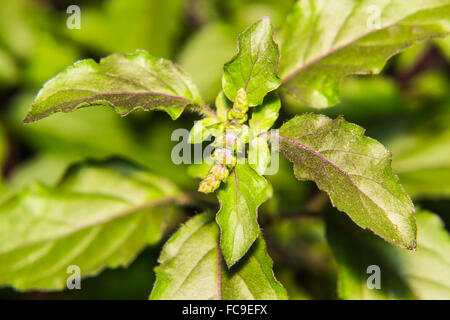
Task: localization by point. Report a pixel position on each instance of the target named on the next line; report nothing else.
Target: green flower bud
(209, 184)
(235, 137)
(228, 141)
(243, 119)
(234, 128)
(240, 107)
(241, 102)
(224, 156)
(236, 114)
(220, 171)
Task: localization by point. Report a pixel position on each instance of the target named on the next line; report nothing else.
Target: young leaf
(240, 197)
(191, 267)
(324, 41)
(354, 170)
(124, 81)
(264, 116)
(200, 130)
(254, 68)
(223, 105)
(98, 217)
(259, 155)
(424, 274)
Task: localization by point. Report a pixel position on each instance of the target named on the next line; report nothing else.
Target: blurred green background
(407, 108)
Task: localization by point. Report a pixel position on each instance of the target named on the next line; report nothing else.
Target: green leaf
(3, 148)
(72, 136)
(354, 170)
(99, 216)
(201, 130)
(444, 46)
(241, 195)
(39, 68)
(302, 238)
(122, 26)
(259, 155)
(433, 183)
(46, 167)
(199, 170)
(27, 31)
(423, 274)
(422, 158)
(369, 99)
(324, 41)
(125, 81)
(264, 116)
(223, 105)
(191, 267)
(254, 68)
(204, 53)
(9, 71)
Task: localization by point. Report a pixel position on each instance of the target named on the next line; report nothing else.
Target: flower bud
(234, 128)
(243, 119)
(220, 171)
(236, 114)
(240, 107)
(228, 140)
(241, 102)
(224, 156)
(209, 184)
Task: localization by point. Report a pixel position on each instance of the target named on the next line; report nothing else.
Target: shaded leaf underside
(125, 81)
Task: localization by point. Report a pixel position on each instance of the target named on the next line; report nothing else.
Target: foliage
(98, 189)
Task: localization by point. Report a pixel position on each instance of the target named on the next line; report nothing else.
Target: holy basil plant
(102, 214)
